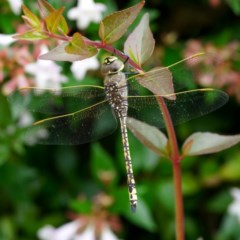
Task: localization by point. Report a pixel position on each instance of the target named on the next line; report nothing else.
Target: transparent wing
(71, 115)
(78, 127)
(53, 102)
(184, 107)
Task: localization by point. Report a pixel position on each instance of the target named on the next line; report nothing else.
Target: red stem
(111, 49)
(175, 157)
(99, 45)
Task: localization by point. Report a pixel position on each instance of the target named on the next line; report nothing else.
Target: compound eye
(109, 60)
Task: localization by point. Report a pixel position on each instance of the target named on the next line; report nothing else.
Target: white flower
(16, 6)
(25, 119)
(234, 208)
(47, 73)
(107, 234)
(79, 68)
(86, 11)
(88, 233)
(65, 232)
(70, 231)
(6, 39)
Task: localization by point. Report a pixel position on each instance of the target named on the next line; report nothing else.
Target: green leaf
(5, 112)
(140, 43)
(230, 171)
(4, 153)
(190, 184)
(149, 136)
(204, 143)
(63, 27)
(78, 46)
(142, 217)
(143, 159)
(53, 20)
(165, 195)
(7, 227)
(31, 35)
(47, 9)
(235, 6)
(121, 201)
(30, 18)
(113, 26)
(219, 201)
(82, 206)
(102, 165)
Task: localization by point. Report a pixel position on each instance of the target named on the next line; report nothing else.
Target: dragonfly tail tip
(133, 207)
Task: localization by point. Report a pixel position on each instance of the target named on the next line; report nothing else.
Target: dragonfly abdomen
(117, 98)
(132, 191)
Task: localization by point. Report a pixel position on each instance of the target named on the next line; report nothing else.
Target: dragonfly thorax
(117, 98)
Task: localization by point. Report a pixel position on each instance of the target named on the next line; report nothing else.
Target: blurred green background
(42, 185)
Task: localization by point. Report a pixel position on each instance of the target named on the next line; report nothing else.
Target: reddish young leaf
(140, 43)
(159, 81)
(204, 143)
(78, 46)
(47, 9)
(31, 35)
(149, 136)
(63, 27)
(30, 18)
(53, 20)
(113, 26)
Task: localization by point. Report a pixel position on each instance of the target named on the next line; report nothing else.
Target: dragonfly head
(112, 65)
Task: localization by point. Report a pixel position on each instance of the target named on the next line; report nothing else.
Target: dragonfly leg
(132, 191)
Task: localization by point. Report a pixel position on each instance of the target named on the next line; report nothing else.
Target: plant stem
(175, 158)
(179, 213)
(99, 45)
(111, 49)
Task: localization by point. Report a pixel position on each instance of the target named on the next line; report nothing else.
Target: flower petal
(16, 6)
(6, 39)
(46, 73)
(46, 232)
(79, 68)
(89, 233)
(107, 234)
(86, 12)
(65, 232)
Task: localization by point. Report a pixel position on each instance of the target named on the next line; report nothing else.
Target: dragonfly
(85, 113)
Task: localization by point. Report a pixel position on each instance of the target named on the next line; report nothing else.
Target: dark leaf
(113, 26)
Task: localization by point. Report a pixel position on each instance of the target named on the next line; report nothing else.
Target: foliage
(39, 184)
